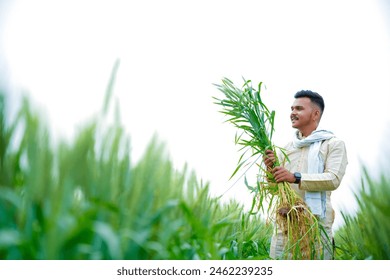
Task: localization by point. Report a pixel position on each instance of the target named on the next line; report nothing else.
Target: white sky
(171, 52)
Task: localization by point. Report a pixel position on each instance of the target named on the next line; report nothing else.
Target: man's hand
(269, 159)
(281, 174)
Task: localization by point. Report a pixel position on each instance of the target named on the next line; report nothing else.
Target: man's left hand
(281, 174)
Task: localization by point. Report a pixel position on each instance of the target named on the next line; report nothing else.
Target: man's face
(301, 113)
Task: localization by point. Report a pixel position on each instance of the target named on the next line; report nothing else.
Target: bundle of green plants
(246, 111)
(84, 198)
(366, 233)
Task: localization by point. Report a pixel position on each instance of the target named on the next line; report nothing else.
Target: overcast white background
(171, 52)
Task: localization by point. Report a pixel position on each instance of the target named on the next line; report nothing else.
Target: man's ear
(317, 115)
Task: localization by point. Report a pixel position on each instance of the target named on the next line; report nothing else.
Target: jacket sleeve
(335, 165)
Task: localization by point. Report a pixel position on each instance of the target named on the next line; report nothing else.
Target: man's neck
(306, 132)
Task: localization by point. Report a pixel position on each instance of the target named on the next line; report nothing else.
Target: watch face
(297, 176)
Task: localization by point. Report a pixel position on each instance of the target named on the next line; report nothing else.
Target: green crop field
(86, 199)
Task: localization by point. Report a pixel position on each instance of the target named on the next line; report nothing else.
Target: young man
(316, 166)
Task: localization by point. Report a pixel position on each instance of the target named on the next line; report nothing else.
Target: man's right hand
(269, 159)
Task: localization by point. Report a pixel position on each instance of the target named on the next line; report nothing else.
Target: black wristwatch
(298, 177)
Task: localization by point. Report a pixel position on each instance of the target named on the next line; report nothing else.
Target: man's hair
(313, 96)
